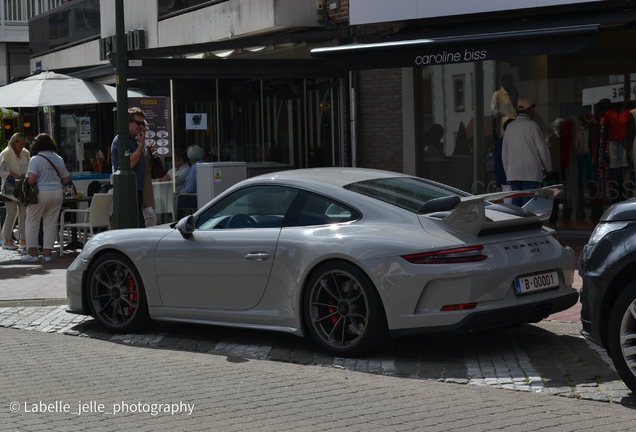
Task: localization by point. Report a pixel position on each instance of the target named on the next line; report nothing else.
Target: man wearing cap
(525, 154)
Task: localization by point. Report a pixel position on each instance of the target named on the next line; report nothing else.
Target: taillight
(450, 256)
(457, 307)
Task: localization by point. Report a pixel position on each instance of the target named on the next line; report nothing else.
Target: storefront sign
(196, 121)
(85, 128)
(450, 57)
(157, 111)
(435, 51)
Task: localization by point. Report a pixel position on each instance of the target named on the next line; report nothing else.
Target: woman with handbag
(14, 161)
(48, 171)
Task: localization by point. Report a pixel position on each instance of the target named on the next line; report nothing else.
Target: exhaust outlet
(537, 314)
(547, 311)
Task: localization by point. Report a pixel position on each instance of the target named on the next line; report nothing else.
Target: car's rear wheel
(343, 310)
(622, 335)
(116, 295)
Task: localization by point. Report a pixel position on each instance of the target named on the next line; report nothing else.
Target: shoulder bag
(27, 194)
(9, 185)
(157, 169)
(7, 189)
(24, 193)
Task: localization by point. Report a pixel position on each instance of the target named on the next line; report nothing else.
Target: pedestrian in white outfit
(14, 161)
(48, 171)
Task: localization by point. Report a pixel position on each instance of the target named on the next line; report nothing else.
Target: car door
(226, 262)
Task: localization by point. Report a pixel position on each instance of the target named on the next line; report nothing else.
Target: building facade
(242, 68)
(429, 82)
(14, 35)
(414, 86)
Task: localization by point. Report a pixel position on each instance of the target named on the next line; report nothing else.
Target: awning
(284, 55)
(240, 68)
(483, 40)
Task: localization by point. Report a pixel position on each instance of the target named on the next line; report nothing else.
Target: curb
(34, 302)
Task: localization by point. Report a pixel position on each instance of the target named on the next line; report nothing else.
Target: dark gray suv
(608, 269)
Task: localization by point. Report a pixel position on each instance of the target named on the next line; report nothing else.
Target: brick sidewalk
(30, 281)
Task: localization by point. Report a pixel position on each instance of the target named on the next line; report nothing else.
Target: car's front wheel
(116, 294)
(622, 335)
(343, 310)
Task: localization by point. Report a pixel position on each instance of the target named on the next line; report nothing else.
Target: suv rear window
(405, 192)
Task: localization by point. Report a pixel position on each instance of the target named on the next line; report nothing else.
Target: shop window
(577, 110)
(459, 92)
(296, 122)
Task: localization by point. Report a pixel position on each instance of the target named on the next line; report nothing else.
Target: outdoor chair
(184, 210)
(96, 217)
(164, 200)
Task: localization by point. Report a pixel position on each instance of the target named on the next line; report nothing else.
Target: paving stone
(516, 361)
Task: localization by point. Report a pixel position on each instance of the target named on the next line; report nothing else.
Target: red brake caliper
(133, 295)
(332, 310)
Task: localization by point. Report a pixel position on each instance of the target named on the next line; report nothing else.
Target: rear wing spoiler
(468, 214)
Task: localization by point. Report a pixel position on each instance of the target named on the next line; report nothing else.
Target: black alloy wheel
(622, 335)
(116, 294)
(343, 310)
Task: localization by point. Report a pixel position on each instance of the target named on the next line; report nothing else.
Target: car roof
(335, 177)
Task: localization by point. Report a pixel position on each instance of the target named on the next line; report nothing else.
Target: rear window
(404, 192)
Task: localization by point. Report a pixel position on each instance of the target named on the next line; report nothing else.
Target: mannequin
(503, 104)
(614, 133)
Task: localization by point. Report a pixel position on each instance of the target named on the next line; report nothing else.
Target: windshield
(405, 192)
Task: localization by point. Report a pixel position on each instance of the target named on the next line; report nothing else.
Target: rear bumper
(527, 313)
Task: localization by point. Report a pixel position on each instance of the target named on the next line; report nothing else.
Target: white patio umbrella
(51, 89)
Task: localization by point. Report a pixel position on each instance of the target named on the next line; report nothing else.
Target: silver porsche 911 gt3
(349, 256)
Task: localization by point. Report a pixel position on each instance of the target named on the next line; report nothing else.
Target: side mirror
(186, 226)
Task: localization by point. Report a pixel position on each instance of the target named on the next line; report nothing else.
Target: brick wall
(380, 133)
(341, 13)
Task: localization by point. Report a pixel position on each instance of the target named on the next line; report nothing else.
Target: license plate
(539, 282)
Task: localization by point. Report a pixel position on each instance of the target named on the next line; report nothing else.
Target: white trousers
(150, 217)
(14, 208)
(48, 209)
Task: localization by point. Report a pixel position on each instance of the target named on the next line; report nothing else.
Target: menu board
(157, 111)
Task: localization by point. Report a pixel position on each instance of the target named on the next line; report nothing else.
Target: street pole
(124, 181)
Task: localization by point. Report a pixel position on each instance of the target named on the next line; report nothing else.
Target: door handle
(258, 256)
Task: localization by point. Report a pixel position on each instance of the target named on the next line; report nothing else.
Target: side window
(320, 210)
(252, 207)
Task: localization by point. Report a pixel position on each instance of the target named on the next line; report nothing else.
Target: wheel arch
(94, 258)
(308, 276)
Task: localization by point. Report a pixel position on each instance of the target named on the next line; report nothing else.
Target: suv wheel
(622, 335)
